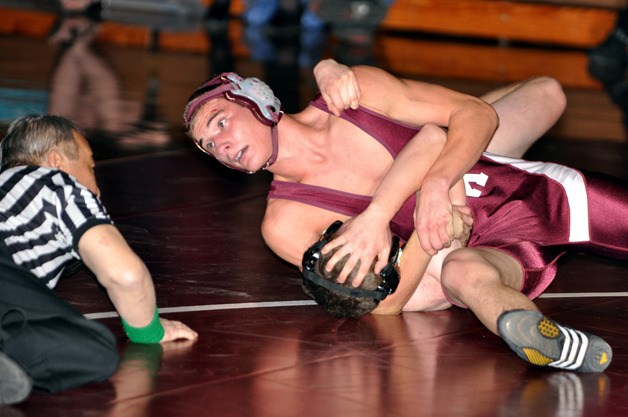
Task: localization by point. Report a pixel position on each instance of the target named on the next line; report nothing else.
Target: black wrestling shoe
(543, 342)
(15, 384)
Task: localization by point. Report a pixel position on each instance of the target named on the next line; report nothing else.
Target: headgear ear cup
(312, 269)
(259, 98)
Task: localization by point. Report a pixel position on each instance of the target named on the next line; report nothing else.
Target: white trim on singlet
(572, 182)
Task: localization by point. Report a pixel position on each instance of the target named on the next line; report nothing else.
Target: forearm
(134, 299)
(129, 286)
(121, 272)
(408, 172)
(470, 130)
(457, 194)
(413, 264)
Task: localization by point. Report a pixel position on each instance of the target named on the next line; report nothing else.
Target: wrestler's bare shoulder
(290, 227)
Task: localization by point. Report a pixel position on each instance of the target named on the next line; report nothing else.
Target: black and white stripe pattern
(43, 213)
(574, 349)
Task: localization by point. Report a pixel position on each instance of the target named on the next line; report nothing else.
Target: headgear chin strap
(389, 275)
(251, 93)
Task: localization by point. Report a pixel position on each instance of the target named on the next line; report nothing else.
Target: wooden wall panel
(517, 21)
(484, 62)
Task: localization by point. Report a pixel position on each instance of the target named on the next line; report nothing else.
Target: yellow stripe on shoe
(535, 357)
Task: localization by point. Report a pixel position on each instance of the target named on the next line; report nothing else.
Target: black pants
(53, 342)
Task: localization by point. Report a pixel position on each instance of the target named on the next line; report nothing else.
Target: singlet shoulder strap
(341, 202)
(322, 197)
(392, 134)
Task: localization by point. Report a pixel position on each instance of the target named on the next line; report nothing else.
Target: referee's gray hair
(30, 138)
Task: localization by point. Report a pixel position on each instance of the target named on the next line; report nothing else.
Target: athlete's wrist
(153, 332)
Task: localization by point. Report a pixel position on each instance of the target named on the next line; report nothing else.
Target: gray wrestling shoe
(15, 384)
(543, 342)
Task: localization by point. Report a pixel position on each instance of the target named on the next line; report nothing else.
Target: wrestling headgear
(251, 93)
(312, 269)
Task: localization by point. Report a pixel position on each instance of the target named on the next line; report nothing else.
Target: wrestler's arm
(338, 85)
(471, 123)
(419, 104)
(289, 228)
(462, 218)
(126, 279)
(368, 235)
(412, 267)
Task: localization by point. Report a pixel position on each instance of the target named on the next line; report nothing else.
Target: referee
(50, 218)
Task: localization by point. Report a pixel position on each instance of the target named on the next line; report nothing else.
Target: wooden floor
(264, 349)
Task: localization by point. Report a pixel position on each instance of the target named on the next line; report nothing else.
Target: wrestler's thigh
(525, 113)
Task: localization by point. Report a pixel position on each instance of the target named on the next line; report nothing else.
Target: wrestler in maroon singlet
(534, 211)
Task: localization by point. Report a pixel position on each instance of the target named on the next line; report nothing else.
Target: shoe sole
(543, 342)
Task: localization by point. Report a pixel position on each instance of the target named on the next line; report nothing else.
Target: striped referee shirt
(43, 214)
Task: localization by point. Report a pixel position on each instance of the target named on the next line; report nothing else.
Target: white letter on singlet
(479, 179)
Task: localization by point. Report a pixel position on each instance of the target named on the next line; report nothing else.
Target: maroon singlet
(534, 211)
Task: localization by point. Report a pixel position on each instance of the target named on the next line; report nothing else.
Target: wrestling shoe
(543, 342)
(15, 384)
